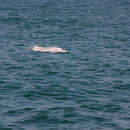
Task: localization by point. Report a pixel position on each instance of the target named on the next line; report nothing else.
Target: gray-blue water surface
(86, 88)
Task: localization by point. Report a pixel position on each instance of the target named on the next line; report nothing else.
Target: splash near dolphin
(48, 49)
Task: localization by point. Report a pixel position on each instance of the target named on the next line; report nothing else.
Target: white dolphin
(48, 49)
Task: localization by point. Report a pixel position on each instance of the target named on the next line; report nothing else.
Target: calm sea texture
(87, 88)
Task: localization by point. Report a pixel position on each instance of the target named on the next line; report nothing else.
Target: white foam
(48, 49)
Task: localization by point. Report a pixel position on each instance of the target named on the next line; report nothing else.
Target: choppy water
(86, 88)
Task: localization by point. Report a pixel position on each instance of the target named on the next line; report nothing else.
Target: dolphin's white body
(48, 49)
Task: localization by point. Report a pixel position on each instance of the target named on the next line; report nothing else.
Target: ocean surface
(87, 88)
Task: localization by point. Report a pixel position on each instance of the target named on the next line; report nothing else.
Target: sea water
(86, 88)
